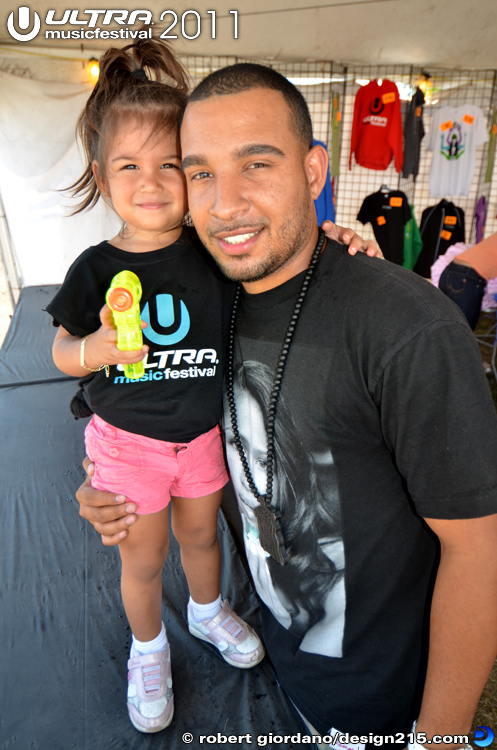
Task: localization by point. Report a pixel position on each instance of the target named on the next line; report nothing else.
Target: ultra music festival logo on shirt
(168, 323)
(164, 319)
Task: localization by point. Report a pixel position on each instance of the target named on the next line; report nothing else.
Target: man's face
(250, 186)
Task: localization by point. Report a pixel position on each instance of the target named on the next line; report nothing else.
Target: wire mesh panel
(449, 88)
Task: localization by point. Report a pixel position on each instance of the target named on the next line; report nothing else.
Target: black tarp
(64, 636)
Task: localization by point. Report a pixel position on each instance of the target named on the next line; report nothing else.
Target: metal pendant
(270, 534)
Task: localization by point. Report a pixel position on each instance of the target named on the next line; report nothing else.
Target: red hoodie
(377, 127)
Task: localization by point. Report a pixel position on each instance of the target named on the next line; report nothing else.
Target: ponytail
(143, 82)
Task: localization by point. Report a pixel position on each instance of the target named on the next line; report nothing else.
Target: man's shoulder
(374, 287)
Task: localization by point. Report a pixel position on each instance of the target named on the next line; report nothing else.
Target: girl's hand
(350, 238)
(101, 348)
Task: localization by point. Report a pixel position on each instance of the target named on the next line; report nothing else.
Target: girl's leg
(143, 554)
(194, 524)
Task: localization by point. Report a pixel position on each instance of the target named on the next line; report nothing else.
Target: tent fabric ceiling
(446, 33)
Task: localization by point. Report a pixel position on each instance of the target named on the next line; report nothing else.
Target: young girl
(156, 438)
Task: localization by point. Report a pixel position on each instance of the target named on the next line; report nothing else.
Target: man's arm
(463, 624)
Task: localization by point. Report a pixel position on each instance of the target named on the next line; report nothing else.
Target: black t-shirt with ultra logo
(186, 303)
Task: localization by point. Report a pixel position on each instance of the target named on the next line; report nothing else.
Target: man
(363, 355)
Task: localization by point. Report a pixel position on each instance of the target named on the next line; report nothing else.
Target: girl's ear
(102, 184)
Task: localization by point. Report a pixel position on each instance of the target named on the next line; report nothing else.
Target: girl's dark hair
(143, 82)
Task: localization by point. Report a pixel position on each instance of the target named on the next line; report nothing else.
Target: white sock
(140, 648)
(205, 611)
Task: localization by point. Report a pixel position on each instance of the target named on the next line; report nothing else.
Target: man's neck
(295, 265)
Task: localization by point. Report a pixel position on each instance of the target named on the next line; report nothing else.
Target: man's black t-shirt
(186, 303)
(388, 213)
(384, 416)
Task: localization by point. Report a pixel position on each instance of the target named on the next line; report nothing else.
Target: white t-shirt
(454, 135)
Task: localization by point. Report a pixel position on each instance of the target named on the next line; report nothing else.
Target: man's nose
(229, 199)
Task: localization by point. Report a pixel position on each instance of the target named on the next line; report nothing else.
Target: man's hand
(350, 238)
(110, 514)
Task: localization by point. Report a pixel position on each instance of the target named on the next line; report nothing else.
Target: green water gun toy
(123, 298)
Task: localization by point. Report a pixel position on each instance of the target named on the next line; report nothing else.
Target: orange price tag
(469, 119)
(381, 220)
(339, 116)
(445, 235)
(387, 98)
(395, 202)
(446, 125)
(451, 221)
(494, 129)
(335, 103)
(418, 111)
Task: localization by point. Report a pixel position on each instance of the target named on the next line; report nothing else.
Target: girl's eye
(169, 166)
(130, 166)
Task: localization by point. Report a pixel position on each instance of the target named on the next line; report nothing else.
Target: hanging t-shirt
(186, 302)
(441, 226)
(480, 218)
(388, 212)
(491, 146)
(324, 203)
(377, 127)
(413, 244)
(454, 135)
(336, 134)
(359, 456)
(413, 134)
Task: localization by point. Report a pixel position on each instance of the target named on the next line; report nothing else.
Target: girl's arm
(100, 349)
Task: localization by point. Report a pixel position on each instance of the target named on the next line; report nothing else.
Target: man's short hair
(235, 79)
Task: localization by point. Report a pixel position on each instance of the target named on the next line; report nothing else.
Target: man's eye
(258, 165)
(200, 175)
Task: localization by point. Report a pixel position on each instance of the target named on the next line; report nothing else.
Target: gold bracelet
(82, 360)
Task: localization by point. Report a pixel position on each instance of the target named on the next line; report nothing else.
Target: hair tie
(140, 74)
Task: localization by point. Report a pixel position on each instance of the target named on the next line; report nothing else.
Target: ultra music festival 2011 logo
(25, 24)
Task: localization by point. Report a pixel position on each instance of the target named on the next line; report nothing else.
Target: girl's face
(144, 181)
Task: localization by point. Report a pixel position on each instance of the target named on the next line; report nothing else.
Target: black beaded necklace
(268, 517)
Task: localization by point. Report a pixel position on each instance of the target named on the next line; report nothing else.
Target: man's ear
(316, 167)
(102, 184)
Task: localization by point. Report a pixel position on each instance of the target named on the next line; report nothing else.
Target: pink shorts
(149, 471)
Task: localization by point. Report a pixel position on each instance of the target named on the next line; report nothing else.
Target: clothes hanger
(385, 189)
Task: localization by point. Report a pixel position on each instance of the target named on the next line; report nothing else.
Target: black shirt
(388, 212)
(384, 416)
(441, 226)
(186, 300)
